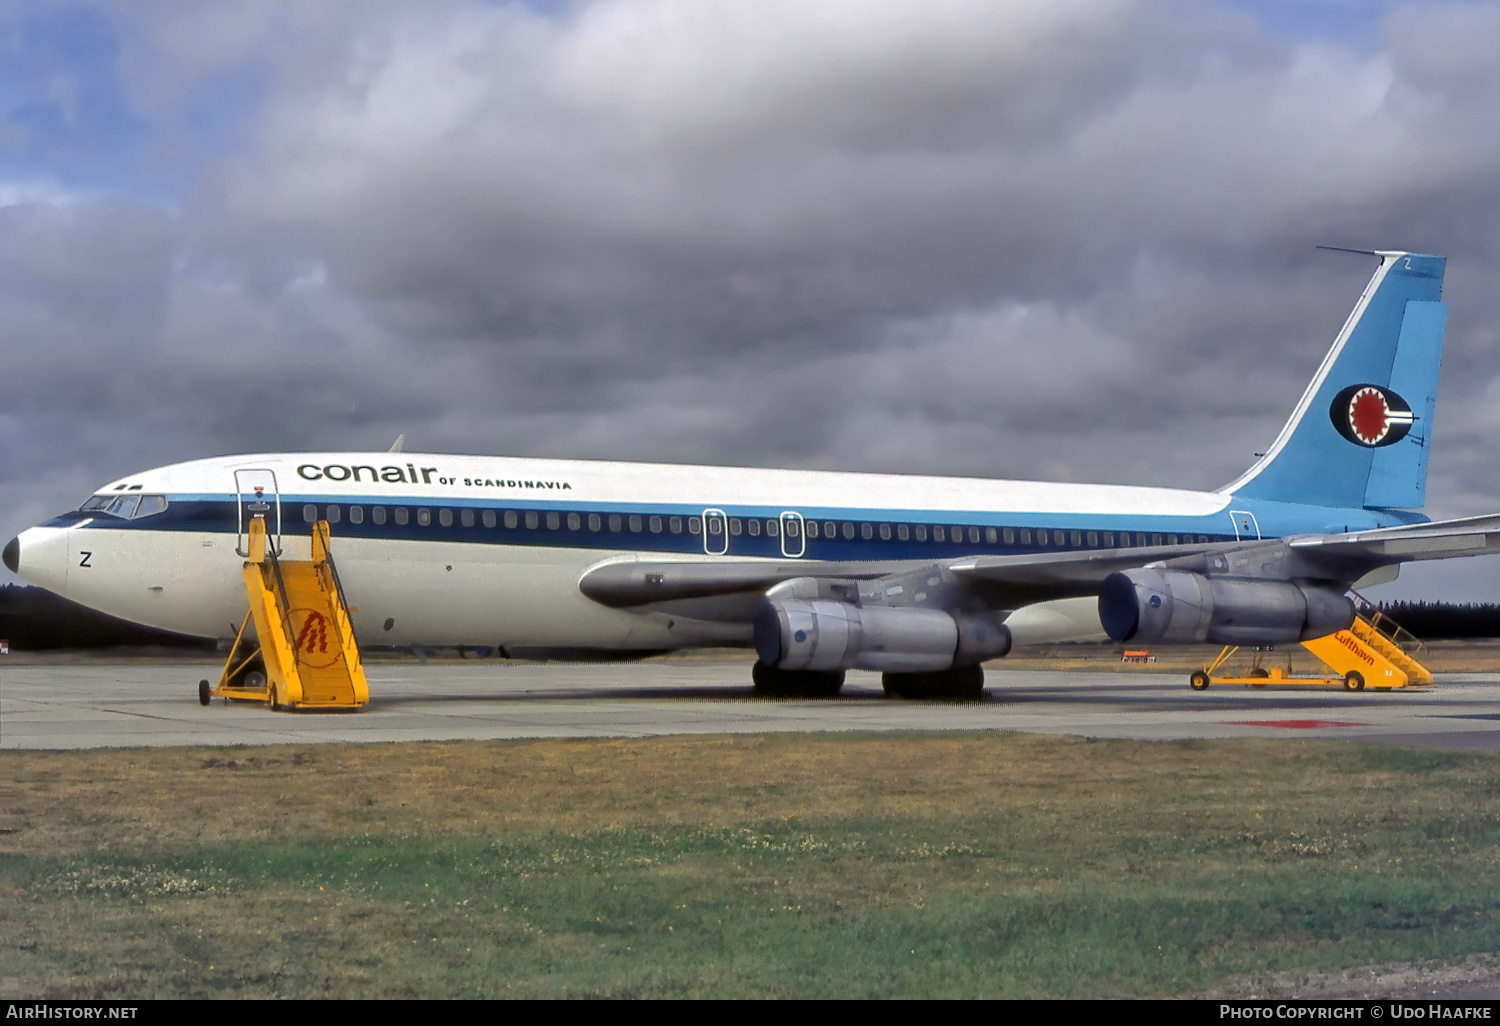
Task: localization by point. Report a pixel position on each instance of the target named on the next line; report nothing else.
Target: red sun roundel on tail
(1370, 416)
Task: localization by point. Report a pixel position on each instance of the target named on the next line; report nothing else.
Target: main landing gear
(967, 682)
(772, 682)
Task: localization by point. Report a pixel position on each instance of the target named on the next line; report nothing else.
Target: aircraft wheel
(1199, 680)
(774, 682)
(205, 692)
(965, 682)
(1354, 681)
(275, 700)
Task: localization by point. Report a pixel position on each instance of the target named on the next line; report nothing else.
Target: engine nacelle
(1178, 607)
(794, 633)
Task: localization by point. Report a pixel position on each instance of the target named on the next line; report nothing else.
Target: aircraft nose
(40, 555)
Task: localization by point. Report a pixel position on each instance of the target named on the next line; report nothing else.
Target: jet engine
(794, 633)
(1175, 606)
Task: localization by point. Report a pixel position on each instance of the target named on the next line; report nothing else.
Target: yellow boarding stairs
(303, 654)
(1374, 652)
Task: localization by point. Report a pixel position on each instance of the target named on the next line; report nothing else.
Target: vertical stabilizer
(1359, 437)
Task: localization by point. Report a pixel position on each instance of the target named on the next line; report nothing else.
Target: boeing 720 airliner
(821, 572)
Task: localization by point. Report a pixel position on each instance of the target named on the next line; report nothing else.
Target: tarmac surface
(139, 704)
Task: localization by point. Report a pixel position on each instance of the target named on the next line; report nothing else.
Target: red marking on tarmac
(1292, 724)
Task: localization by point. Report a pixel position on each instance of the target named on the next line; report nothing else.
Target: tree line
(33, 619)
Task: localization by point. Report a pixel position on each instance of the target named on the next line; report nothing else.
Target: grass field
(782, 865)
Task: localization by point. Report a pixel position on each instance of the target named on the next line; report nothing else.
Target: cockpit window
(123, 506)
(127, 507)
(151, 504)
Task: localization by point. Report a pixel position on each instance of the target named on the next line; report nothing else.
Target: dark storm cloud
(1064, 241)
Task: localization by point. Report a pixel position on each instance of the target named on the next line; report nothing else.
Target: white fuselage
(464, 550)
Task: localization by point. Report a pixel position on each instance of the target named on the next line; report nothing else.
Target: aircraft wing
(1006, 582)
(1010, 582)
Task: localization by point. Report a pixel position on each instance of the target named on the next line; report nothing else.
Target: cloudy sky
(1071, 241)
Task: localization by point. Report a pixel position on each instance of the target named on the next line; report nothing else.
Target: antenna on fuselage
(398, 444)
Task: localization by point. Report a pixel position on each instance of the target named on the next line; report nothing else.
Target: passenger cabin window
(773, 528)
(1041, 537)
(755, 528)
(735, 527)
(848, 531)
(333, 516)
(445, 518)
(1075, 539)
(575, 523)
(424, 516)
(695, 526)
(615, 523)
(466, 517)
(554, 521)
(655, 525)
(511, 520)
(921, 532)
(487, 518)
(812, 529)
(675, 525)
(635, 524)
(310, 513)
(885, 532)
(596, 522)
(403, 515)
(903, 532)
(938, 534)
(1057, 538)
(356, 514)
(991, 536)
(377, 515)
(1009, 535)
(830, 529)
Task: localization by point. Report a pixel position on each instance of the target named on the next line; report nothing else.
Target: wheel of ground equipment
(205, 692)
(275, 700)
(966, 682)
(1199, 680)
(1354, 681)
(774, 682)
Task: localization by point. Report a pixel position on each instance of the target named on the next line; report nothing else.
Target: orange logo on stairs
(314, 646)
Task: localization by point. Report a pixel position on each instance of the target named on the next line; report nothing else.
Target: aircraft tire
(965, 682)
(204, 692)
(1354, 681)
(773, 682)
(1199, 681)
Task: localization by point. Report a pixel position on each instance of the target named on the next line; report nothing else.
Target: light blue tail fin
(1359, 437)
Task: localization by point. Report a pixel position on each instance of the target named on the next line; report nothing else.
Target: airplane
(919, 578)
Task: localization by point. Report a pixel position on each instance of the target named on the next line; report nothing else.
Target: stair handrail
(285, 603)
(1399, 636)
